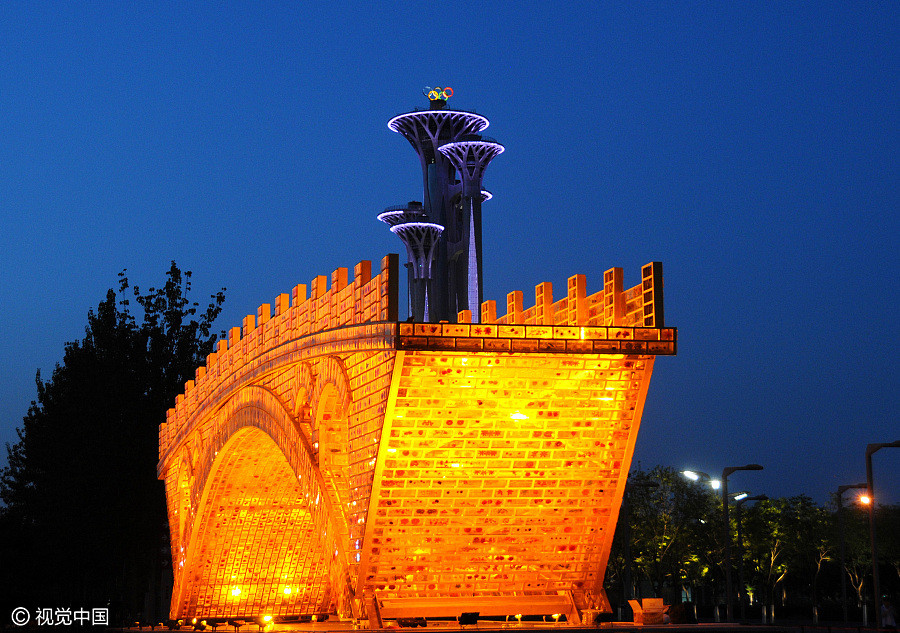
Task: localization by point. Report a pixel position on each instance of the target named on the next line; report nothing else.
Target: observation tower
(453, 157)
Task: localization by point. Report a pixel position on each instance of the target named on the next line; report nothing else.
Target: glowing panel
(498, 474)
(255, 536)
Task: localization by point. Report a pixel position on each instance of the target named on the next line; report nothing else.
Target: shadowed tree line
(83, 520)
(790, 548)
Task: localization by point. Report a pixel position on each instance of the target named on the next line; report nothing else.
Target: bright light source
(741, 496)
(690, 474)
(865, 499)
(715, 483)
(235, 591)
(518, 416)
(287, 591)
(267, 618)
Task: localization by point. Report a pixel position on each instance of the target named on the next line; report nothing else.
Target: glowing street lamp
(728, 588)
(870, 492)
(722, 484)
(696, 475)
(840, 513)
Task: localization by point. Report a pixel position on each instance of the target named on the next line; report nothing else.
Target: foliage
(84, 512)
(786, 536)
(789, 548)
(672, 538)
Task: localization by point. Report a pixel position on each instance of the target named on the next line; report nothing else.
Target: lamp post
(728, 589)
(715, 484)
(840, 513)
(870, 491)
(739, 501)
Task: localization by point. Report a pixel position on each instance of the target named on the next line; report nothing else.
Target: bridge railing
(368, 299)
(365, 299)
(639, 306)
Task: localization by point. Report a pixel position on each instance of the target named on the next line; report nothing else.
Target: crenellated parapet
(639, 306)
(297, 316)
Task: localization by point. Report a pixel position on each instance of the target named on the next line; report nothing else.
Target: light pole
(715, 484)
(870, 491)
(725, 472)
(840, 512)
(740, 499)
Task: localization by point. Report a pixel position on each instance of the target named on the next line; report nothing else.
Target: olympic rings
(439, 94)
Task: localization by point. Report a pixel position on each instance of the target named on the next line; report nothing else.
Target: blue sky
(750, 147)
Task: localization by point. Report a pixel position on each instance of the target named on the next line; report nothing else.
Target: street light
(840, 512)
(716, 484)
(740, 499)
(696, 475)
(728, 588)
(870, 492)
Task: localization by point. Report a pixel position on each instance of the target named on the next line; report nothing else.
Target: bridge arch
(302, 392)
(264, 539)
(331, 404)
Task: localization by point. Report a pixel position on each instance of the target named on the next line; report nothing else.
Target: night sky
(750, 147)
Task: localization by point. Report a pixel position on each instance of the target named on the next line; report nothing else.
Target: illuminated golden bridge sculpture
(329, 459)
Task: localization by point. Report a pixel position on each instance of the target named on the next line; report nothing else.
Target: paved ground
(609, 627)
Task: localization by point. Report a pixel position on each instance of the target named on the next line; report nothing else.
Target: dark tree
(84, 516)
(672, 538)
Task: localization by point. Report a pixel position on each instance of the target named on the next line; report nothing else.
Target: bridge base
(443, 607)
